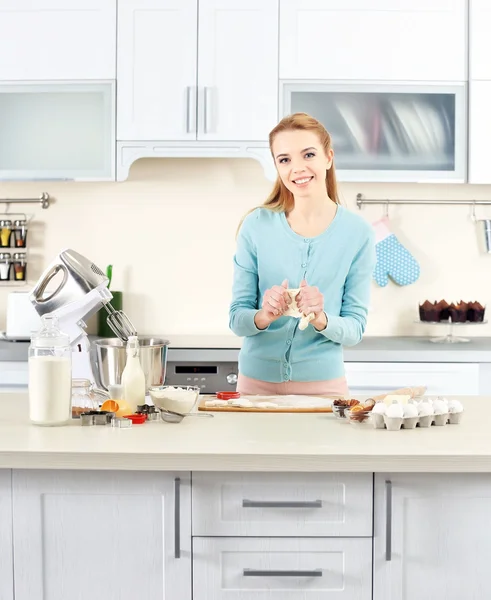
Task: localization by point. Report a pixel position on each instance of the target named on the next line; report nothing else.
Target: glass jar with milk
(50, 375)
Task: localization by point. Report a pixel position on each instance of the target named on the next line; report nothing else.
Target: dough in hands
(292, 310)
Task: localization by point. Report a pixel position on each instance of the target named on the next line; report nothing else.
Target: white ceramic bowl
(181, 399)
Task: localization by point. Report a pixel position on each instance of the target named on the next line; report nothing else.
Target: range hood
(129, 152)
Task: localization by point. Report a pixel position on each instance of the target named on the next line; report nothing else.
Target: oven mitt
(393, 260)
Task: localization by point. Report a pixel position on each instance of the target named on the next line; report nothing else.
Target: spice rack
(14, 228)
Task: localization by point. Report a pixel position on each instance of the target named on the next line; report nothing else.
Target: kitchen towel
(393, 259)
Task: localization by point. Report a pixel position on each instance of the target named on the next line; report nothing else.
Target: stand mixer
(81, 292)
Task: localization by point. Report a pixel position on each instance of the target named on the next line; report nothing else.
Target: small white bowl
(181, 399)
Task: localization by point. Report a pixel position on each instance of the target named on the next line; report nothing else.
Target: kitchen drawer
(14, 373)
(282, 569)
(282, 504)
(439, 378)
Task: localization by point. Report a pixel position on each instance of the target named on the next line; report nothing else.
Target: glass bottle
(50, 375)
(133, 378)
(20, 269)
(5, 264)
(20, 234)
(5, 233)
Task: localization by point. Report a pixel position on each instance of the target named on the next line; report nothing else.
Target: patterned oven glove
(393, 260)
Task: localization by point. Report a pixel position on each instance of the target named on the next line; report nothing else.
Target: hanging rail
(43, 200)
(360, 201)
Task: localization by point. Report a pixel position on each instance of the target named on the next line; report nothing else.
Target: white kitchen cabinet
(57, 40)
(439, 378)
(282, 504)
(432, 537)
(57, 130)
(388, 132)
(479, 40)
(407, 40)
(282, 569)
(6, 559)
(157, 69)
(238, 69)
(479, 131)
(117, 535)
(187, 75)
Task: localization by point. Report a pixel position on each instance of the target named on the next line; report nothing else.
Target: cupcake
(410, 416)
(394, 416)
(458, 312)
(443, 310)
(475, 312)
(426, 413)
(455, 410)
(428, 311)
(440, 407)
(377, 415)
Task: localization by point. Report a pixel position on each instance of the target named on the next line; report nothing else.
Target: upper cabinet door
(479, 39)
(157, 47)
(57, 39)
(407, 40)
(238, 69)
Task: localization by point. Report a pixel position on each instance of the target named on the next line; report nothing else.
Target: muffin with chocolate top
(458, 312)
(428, 311)
(475, 312)
(443, 308)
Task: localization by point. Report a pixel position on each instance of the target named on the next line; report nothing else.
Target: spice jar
(5, 233)
(85, 397)
(20, 234)
(5, 264)
(19, 266)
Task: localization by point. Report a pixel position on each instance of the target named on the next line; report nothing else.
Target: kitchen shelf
(13, 249)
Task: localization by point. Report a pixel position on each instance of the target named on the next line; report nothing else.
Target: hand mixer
(81, 292)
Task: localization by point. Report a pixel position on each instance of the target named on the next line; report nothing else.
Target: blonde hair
(280, 198)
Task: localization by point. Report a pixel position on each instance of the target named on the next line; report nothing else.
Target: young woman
(300, 238)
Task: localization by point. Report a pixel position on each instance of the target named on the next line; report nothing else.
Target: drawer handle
(267, 573)
(281, 504)
(177, 517)
(374, 388)
(388, 520)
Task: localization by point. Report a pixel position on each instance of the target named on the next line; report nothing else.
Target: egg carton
(396, 423)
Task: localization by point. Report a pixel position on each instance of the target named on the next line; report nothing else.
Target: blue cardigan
(340, 262)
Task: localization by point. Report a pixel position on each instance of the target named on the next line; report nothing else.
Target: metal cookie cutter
(121, 423)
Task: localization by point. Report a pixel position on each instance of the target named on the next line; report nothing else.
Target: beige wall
(169, 232)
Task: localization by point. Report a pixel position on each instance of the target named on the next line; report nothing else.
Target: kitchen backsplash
(170, 230)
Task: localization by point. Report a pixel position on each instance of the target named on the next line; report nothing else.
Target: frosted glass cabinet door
(389, 132)
(57, 131)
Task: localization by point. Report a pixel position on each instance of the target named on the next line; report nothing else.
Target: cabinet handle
(207, 111)
(177, 517)
(374, 388)
(190, 109)
(388, 520)
(281, 504)
(274, 573)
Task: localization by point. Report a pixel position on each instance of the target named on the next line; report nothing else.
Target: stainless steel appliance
(108, 359)
(213, 370)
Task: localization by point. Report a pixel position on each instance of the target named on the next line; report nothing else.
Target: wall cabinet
(57, 40)
(354, 40)
(197, 72)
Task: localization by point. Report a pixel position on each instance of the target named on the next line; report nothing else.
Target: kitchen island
(245, 506)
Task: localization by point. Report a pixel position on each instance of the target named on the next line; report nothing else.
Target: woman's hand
(275, 302)
(310, 300)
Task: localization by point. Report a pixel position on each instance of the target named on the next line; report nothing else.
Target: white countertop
(248, 442)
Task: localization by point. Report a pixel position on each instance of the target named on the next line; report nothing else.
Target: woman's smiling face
(301, 161)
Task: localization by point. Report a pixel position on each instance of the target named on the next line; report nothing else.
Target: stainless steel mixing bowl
(108, 359)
